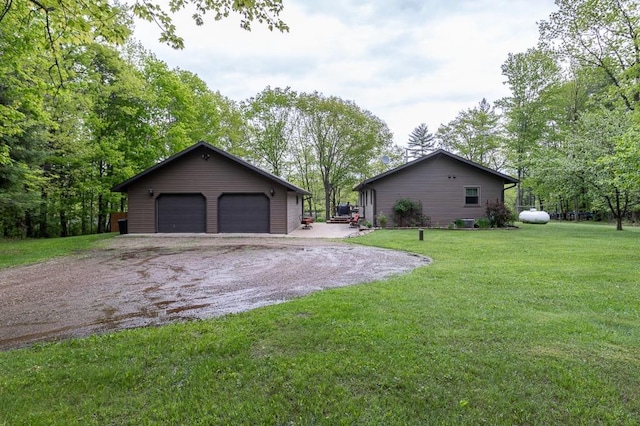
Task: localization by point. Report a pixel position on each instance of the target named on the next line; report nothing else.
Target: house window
(471, 196)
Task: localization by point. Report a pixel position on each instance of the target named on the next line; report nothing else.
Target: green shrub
(382, 220)
(483, 223)
(407, 212)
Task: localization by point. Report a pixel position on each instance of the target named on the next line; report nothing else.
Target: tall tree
(421, 142)
(528, 75)
(342, 138)
(271, 117)
(475, 134)
(595, 154)
(24, 122)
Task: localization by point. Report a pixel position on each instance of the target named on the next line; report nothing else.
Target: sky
(406, 61)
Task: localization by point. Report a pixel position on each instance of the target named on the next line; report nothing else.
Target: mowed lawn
(539, 325)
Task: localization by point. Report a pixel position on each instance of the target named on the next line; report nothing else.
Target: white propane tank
(533, 216)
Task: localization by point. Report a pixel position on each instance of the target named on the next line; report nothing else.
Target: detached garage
(204, 189)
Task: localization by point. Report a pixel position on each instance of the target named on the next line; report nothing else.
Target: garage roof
(124, 186)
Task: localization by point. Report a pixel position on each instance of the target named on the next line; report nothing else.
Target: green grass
(22, 252)
(532, 326)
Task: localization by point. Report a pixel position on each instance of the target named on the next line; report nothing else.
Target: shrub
(498, 214)
(382, 220)
(425, 220)
(407, 212)
(483, 223)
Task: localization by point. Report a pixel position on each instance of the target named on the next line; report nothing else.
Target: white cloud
(416, 61)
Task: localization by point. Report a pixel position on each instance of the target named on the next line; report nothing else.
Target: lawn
(22, 252)
(539, 325)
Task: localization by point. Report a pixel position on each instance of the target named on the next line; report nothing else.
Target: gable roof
(437, 153)
(124, 186)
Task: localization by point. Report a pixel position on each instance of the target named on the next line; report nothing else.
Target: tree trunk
(618, 211)
(327, 200)
(83, 219)
(64, 229)
(101, 214)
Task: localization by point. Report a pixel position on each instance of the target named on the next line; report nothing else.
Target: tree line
(83, 107)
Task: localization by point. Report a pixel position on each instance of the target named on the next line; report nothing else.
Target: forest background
(83, 106)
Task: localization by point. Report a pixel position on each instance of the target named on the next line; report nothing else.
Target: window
(471, 196)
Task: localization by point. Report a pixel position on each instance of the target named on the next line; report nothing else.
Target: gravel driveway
(135, 282)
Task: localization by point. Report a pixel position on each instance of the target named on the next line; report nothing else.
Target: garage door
(243, 213)
(181, 213)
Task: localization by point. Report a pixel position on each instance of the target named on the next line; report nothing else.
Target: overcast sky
(406, 61)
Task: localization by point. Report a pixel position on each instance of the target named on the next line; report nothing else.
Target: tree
(421, 142)
(528, 75)
(475, 134)
(342, 139)
(24, 122)
(271, 117)
(603, 35)
(103, 20)
(595, 156)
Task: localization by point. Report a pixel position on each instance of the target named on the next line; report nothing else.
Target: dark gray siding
(439, 184)
(212, 177)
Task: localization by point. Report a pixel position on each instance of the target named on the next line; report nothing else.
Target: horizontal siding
(433, 183)
(294, 211)
(367, 201)
(211, 178)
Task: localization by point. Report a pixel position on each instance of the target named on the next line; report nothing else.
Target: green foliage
(408, 212)
(553, 341)
(483, 223)
(336, 137)
(498, 214)
(475, 134)
(382, 220)
(271, 119)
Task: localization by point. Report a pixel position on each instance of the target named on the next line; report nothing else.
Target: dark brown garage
(205, 189)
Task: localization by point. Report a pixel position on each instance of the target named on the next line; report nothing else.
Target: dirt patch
(135, 282)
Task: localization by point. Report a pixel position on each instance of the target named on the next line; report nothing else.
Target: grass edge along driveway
(532, 326)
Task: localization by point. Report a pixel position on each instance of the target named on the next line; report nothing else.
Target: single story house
(204, 189)
(448, 186)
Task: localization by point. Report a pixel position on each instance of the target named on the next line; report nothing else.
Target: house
(204, 189)
(448, 186)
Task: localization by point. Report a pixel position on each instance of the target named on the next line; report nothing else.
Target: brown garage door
(181, 213)
(243, 213)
